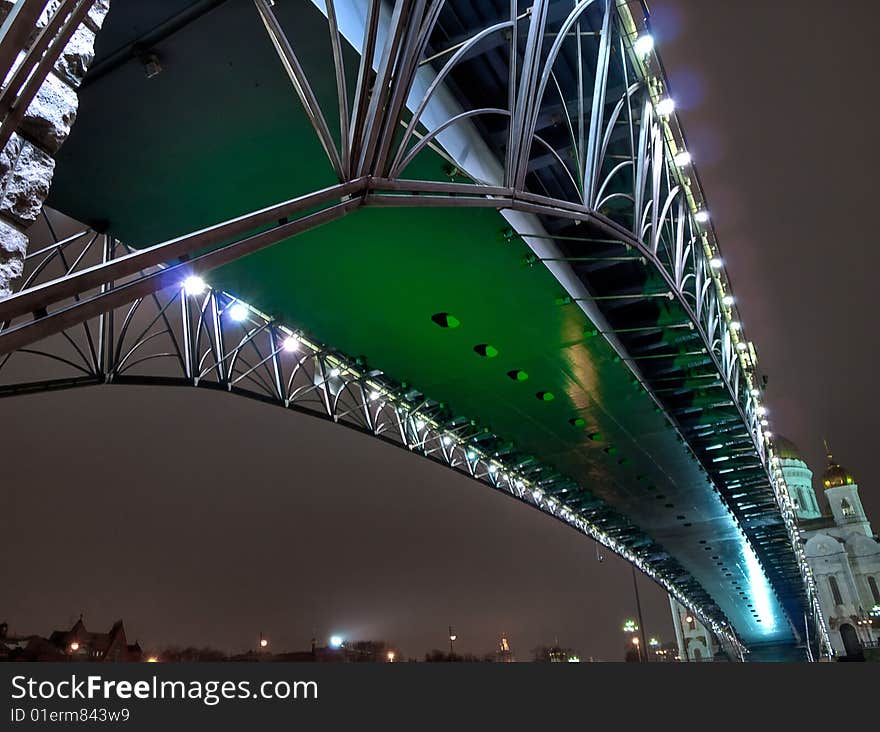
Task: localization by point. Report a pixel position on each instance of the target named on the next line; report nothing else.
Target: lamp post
(452, 638)
(639, 607)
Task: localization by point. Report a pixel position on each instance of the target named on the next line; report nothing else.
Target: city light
(238, 312)
(152, 659)
(630, 626)
(291, 344)
(194, 285)
(264, 643)
(336, 641)
(716, 263)
(682, 159)
(735, 325)
(727, 300)
(74, 647)
(391, 655)
(741, 346)
(643, 45)
(665, 106)
(761, 411)
(701, 216)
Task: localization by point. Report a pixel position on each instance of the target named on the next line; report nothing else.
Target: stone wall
(27, 163)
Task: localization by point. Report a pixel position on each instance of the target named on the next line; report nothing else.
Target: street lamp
(74, 647)
(452, 638)
(391, 655)
(635, 642)
(336, 641)
(264, 643)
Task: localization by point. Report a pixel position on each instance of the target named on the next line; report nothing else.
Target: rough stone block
(13, 243)
(48, 119)
(26, 186)
(77, 56)
(10, 271)
(97, 13)
(9, 156)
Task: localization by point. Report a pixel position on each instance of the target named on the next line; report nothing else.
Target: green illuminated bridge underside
(219, 133)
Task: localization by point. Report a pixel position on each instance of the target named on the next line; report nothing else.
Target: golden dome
(835, 475)
(785, 449)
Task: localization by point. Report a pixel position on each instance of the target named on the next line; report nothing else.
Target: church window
(835, 591)
(697, 653)
(846, 509)
(872, 583)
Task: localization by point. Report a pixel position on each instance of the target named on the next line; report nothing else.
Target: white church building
(843, 552)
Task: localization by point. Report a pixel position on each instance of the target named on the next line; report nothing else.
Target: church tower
(842, 493)
(798, 478)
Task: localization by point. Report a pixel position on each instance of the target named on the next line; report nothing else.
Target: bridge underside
(219, 133)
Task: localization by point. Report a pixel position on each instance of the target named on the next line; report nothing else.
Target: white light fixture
(761, 411)
(194, 285)
(665, 106)
(644, 45)
(755, 392)
(374, 395)
(334, 373)
(727, 300)
(735, 325)
(291, 343)
(447, 440)
(336, 641)
(701, 216)
(716, 263)
(238, 312)
(420, 423)
(536, 495)
(682, 159)
(493, 468)
(741, 346)
(765, 423)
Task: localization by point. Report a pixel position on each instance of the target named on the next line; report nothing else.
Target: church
(843, 552)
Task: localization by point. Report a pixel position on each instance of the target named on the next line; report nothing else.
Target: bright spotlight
(735, 325)
(682, 159)
(291, 344)
(741, 346)
(336, 641)
(716, 263)
(727, 300)
(334, 373)
(238, 312)
(194, 285)
(644, 45)
(665, 107)
(701, 216)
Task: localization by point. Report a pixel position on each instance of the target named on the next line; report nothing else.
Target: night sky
(206, 519)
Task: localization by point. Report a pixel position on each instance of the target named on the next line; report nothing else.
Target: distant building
(695, 642)
(76, 644)
(842, 550)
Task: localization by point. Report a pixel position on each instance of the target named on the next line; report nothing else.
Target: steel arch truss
(543, 108)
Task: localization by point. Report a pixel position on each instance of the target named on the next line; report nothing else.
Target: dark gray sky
(261, 520)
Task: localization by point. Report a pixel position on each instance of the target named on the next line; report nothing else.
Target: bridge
(471, 229)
